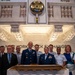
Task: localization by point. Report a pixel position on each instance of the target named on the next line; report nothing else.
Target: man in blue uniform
(46, 58)
(29, 55)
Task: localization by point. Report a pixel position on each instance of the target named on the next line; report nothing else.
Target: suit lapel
(11, 57)
(47, 56)
(7, 58)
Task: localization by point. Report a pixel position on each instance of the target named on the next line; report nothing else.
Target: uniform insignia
(27, 53)
(26, 57)
(50, 57)
(33, 52)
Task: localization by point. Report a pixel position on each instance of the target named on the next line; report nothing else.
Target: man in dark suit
(46, 58)
(8, 60)
(29, 55)
(2, 50)
(0, 65)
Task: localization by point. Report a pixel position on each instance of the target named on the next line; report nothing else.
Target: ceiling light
(18, 36)
(54, 36)
(2, 37)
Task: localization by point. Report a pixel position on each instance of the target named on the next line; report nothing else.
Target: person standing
(18, 54)
(47, 58)
(69, 56)
(60, 58)
(8, 60)
(29, 55)
(2, 50)
(36, 47)
(51, 49)
(0, 65)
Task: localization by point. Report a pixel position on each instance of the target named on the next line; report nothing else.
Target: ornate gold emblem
(36, 8)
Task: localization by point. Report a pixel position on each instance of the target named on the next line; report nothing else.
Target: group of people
(34, 56)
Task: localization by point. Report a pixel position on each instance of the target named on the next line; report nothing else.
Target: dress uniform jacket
(49, 59)
(6, 64)
(28, 57)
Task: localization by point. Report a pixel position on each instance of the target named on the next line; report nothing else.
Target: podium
(37, 70)
(37, 67)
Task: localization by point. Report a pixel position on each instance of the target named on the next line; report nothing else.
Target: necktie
(45, 56)
(9, 57)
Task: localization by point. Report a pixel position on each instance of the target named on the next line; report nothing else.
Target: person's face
(30, 45)
(18, 49)
(46, 50)
(9, 49)
(36, 48)
(67, 49)
(2, 49)
(12, 48)
(51, 48)
(58, 50)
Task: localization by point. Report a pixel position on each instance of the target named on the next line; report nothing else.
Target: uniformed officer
(60, 58)
(69, 56)
(29, 55)
(51, 49)
(47, 58)
(38, 52)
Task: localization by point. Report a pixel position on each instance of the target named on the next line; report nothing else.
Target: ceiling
(37, 33)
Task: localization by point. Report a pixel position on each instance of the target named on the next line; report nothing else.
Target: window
(50, 11)
(66, 11)
(65, 0)
(6, 10)
(22, 10)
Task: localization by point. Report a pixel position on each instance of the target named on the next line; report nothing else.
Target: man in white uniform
(60, 58)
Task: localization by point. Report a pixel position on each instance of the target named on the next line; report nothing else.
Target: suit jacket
(0, 64)
(49, 60)
(29, 57)
(5, 62)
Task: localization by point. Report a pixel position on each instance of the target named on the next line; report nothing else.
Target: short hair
(18, 46)
(50, 45)
(2, 46)
(59, 48)
(46, 47)
(36, 44)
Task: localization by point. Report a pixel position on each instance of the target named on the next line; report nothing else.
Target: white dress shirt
(52, 53)
(60, 59)
(38, 55)
(18, 57)
(74, 57)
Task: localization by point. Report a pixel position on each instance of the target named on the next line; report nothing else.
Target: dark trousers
(70, 73)
(4, 72)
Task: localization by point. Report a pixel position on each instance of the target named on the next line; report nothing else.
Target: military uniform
(47, 59)
(60, 59)
(28, 57)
